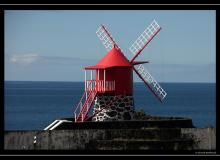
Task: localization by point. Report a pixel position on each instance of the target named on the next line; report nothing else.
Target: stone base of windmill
(113, 108)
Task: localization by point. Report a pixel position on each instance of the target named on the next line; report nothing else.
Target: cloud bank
(24, 59)
(36, 59)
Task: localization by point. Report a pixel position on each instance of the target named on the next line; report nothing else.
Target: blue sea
(34, 105)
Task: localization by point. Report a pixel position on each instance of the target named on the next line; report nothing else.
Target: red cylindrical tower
(114, 83)
(115, 67)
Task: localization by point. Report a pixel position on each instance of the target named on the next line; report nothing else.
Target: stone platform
(153, 122)
(157, 133)
(151, 139)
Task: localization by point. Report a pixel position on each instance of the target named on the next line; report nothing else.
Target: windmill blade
(144, 39)
(150, 82)
(106, 38)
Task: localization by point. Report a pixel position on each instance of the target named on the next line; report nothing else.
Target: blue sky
(56, 45)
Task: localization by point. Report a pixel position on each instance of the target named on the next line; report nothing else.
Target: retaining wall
(80, 139)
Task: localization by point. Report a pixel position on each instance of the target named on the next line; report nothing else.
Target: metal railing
(92, 87)
(100, 85)
(82, 101)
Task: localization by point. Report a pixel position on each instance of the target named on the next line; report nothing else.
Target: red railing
(100, 85)
(92, 87)
(84, 104)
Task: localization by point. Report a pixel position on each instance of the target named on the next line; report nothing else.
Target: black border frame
(104, 7)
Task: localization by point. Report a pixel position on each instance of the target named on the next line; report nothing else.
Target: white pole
(104, 79)
(85, 84)
(92, 86)
(98, 74)
(91, 80)
(98, 80)
(85, 79)
(91, 74)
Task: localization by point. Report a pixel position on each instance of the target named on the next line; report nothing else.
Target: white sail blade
(144, 39)
(151, 82)
(106, 38)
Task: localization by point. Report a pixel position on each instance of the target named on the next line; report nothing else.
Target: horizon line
(83, 81)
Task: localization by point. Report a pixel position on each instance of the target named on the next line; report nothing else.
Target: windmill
(110, 86)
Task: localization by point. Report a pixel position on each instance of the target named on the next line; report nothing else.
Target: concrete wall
(56, 139)
(205, 138)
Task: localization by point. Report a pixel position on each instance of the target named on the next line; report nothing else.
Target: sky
(56, 45)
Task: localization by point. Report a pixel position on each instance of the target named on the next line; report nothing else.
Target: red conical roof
(112, 59)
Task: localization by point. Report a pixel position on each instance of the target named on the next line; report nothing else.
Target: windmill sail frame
(106, 38)
(136, 48)
(150, 81)
(144, 39)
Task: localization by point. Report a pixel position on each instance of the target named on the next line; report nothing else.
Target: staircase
(82, 109)
(92, 87)
(142, 139)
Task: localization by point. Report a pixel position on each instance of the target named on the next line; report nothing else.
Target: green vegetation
(141, 115)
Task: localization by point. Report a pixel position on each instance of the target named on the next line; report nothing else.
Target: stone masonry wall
(77, 139)
(205, 138)
(111, 108)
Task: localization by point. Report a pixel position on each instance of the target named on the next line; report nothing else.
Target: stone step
(148, 133)
(140, 144)
(137, 124)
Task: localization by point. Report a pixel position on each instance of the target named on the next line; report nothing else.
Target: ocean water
(34, 105)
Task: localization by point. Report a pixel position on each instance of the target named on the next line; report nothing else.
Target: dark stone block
(101, 114)
(121, 105)
(105, 117)
(119, 109)
(108, 102)
(132, 111)
(100, 98)
(112, 113)
(126, 116)
(128, 108)
(96, 106)
(101, 102)
(119, 96)
(127, 105)
(112, 107)
(125, 100)
(102, 106)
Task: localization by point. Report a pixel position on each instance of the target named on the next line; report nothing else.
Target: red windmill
(111, 83)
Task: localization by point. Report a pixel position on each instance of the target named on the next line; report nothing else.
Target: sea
(30, 105)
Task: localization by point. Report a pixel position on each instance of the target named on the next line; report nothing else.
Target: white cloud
(36, 60)
(24, 59)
